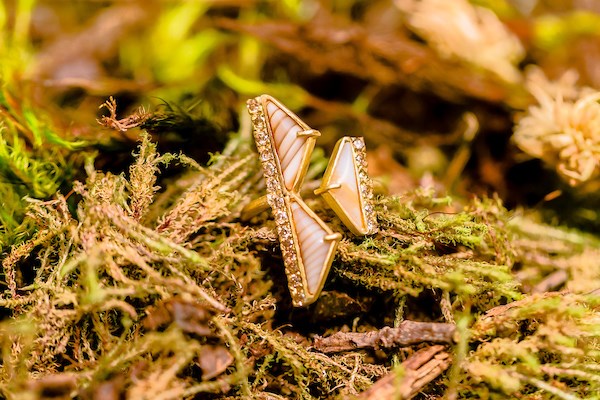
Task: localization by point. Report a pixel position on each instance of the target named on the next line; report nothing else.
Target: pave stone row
(365, 185)
(277, 198)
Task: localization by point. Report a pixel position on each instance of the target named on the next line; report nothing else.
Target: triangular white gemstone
(342, 187)
(292, 151)
(347, 195)
(316, 252)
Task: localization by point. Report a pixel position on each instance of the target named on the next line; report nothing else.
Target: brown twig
(408, 333)
(552, 282)
(419, 369)
(132, 121)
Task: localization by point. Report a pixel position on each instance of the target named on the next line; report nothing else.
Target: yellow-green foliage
(139, 286)
(543, 345)
(418, 250)
(34, 161)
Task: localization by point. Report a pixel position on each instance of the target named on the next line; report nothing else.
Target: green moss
(140, 284)
(143, 280)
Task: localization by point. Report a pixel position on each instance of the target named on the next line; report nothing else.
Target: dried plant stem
(240, 361)
(460, 352)
(157, 242)
(419, 369)
(398, 318)
(551, 282)
(546, 386)
(406, 334)
(19, 252)
(215, 386)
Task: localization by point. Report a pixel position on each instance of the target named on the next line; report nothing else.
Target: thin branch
(552, 282)
(132, 121)
(406, 334)
(419, 369)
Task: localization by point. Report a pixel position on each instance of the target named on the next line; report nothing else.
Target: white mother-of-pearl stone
(314, 248)
(341, 177)
(289, 147)
(347, 195)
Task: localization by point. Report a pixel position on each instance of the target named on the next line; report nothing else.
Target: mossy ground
(134, 277)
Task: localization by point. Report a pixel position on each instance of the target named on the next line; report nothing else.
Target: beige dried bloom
(461, 30)
(563, 128)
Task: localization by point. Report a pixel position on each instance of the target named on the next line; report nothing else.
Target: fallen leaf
(214, 360)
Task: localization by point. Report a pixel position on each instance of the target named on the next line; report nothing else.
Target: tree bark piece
(419, 369)
(408, 333)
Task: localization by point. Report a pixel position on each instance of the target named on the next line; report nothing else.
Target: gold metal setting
(280, 198)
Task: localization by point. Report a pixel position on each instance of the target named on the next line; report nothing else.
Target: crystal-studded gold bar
(306, 258)
(266, 151)
(365, 184)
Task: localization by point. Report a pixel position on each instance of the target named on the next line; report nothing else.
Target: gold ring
(308, 245)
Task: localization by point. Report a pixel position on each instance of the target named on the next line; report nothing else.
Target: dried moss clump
(544, 345)
(163, 293)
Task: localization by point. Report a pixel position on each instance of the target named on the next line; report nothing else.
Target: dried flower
(461, 30)
(563, 129)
